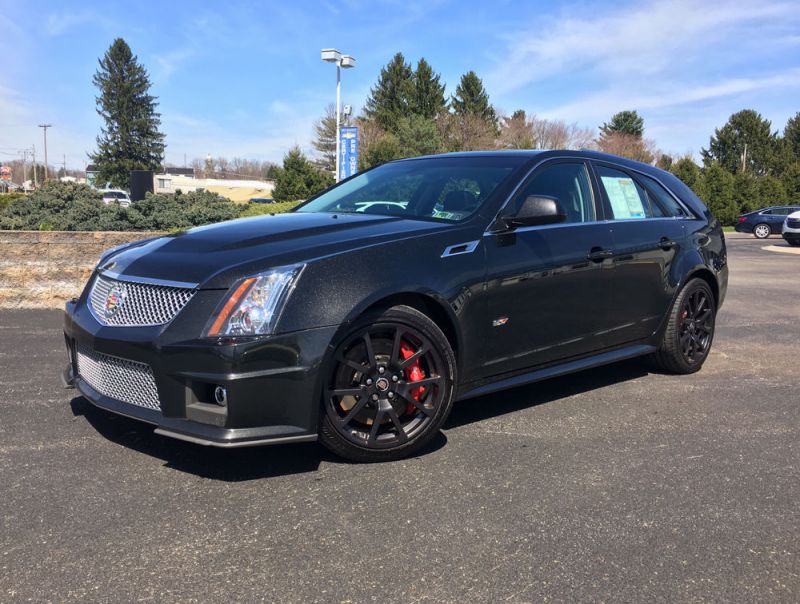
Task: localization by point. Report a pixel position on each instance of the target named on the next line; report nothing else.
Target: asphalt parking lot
(614, 484)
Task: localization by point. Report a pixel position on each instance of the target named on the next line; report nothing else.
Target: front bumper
(272, 383)
(793, 235)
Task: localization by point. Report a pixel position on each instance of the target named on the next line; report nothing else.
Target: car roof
(544, 154)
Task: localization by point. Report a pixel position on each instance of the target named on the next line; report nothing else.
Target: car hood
(217, 255)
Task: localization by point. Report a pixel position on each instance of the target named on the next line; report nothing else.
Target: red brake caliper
(413, 373)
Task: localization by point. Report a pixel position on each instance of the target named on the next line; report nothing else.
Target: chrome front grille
(127, 381)
(133, 304)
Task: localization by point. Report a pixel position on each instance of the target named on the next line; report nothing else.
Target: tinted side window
(627, 199)
(661, 197)
(569, 183)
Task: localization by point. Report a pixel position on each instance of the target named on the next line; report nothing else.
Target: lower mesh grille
(127, 381)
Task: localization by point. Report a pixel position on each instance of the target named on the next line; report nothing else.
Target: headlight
(254, 304)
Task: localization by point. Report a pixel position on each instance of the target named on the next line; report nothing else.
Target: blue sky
(245, 79)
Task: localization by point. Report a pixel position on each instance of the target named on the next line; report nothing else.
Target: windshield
(445, 188)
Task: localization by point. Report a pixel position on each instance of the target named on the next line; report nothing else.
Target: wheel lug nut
(374, 397)
(395, 378)
(381, 369)
(391, 395)
(369, 381)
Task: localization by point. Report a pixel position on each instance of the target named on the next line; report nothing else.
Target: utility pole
(35, 178)
(24, 167)
(45, 127)
(65, 165)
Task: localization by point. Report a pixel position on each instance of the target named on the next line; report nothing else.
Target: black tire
(371, 411)
(762, 231)
(689, 334)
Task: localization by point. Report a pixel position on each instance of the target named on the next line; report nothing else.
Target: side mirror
(537, 210)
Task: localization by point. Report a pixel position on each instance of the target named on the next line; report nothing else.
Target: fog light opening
(221, 396)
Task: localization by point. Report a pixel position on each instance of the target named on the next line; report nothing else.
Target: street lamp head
(348, 62)
(331, 55)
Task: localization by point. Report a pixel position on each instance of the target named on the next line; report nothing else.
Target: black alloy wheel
(390, 387)
(697, 325)
(687, 338)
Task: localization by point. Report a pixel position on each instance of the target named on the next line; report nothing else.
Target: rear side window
(567, 182)
(659, 196)
(627, 199)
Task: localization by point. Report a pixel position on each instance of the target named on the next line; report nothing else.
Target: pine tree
(130, 138)
(625, 122)
(429, 100)
(392, 98)
(299, 178)
(471, 99)
(747, 127)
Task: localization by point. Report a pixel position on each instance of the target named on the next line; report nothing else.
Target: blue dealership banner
(348, 146)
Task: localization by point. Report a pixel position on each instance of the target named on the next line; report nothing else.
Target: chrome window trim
(690, 215)
(608, 223)
(148, 280)
(522, 181)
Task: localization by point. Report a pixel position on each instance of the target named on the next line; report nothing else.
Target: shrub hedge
(77, 207)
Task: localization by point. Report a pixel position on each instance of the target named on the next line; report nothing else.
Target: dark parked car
(361, 316)
(766, 221)
(262, 200)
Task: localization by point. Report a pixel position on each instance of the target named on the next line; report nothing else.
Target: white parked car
(118, 195)
(791, 229)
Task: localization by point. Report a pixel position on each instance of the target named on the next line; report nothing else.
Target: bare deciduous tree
(629, 145)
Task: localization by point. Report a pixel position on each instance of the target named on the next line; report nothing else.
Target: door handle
(667, 244)
(598, 254)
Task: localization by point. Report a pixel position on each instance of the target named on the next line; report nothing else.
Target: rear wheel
(389, 387)
(762, 231)
(690, 331)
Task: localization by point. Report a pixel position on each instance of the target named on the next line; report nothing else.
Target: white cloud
(168, 63)
(59, 23)
(639, 41)
(668, 94)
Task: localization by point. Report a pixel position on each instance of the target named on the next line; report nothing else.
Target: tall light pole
(331, 55)
(45, 127)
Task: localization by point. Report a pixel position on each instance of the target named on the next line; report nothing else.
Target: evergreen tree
(418, 135)
(386, 148)
(625, 122)
(299, 178)
(747, 127)
(429, 100)
(718, 189)
(690, 173)
(393, 96)
(745, 192)
(791, 135)
(791, 183)
(130, 139)
(471, 99)
(771, 192)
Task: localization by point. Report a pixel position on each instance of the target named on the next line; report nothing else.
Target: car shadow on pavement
(508, 401)
(229, 465)
(254, 463)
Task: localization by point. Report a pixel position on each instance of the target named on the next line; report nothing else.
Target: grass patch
(259, 209)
